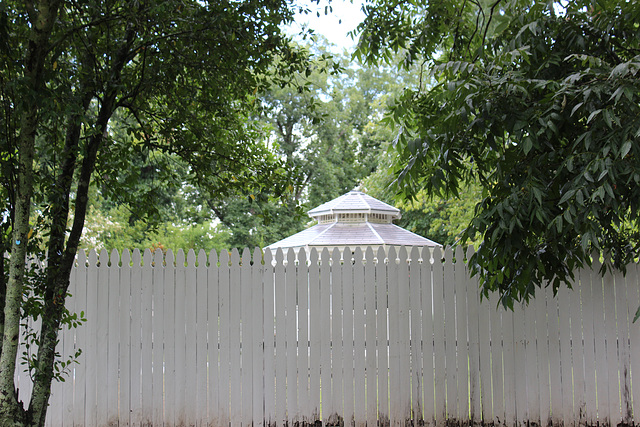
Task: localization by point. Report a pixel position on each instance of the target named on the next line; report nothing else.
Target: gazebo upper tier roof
(355, 202)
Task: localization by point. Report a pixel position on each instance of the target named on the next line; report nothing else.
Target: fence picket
(415, 336)
(213, 349)
(180, 357)
(427, 339)
(147, 377)
(438, 330)
(578, 350)
(235, 356)
(102, 336)
(201, 296)
(588, 321)
(542, 352)
(124, 350)
(509, 367)
(564, 329)
(624, 361)
(303, 337)
(533, 379)
(190, 414)
(269, 341)
(80, 368)
(315, 332)
(401, 341)
(462, 334)
(370, 361)
(337, 357)
(633, 295)
(325, 348)
(612, 342)
(224, 377)
(601, 371)
(522, 382)
(496, 342)
(484, 336)
(258, 338)
(473, 307)
(247, 291)
(281, 355)
(169, 337)
(359, 339)
(291, 339)
(382, 294)
(347, 331)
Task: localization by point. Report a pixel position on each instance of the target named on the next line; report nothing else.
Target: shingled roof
(354, 219)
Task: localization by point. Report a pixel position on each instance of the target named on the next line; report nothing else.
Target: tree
(181, 75)
(539, 103)
(326, 137)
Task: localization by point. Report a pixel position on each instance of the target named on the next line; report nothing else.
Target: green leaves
(545, 118)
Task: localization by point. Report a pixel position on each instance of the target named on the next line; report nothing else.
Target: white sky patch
(335, 25)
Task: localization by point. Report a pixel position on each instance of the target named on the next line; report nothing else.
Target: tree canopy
(539, 103)
(94, 88)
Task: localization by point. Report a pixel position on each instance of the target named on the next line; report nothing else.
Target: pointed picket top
(213, 258)
(291, 257)
(268, 258)
(402, 254)
(302, 257)
(170, 259)
(147, 258)
(358, 257)
(368, 256)
(82, 257)
(179, 258)
(191, 258)
(459, 254)
(448, 255)
(246, 257)
(325, 258)
(202, 258)
(380, 255)
(125, 258)
(313, 256)
(235, 257)
(224, 259)
(114, 258)
(391, 255)
(335, 255)
(136, 258)
(158, 258)
(279, 256)
(104, 258)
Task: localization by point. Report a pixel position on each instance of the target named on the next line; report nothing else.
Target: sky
(336, 25)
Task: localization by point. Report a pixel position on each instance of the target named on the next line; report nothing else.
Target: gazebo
(353, 220)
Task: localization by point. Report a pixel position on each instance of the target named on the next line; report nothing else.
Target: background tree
(328, 137)
(180, 75)
(537, 102)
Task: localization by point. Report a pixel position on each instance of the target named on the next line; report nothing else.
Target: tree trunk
(12, 412)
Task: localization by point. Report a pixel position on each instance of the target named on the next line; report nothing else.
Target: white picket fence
(221, 341)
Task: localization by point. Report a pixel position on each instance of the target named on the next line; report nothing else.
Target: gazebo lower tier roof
(353, 235)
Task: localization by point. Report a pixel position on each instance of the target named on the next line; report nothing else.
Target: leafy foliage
(537, 102)
(107, 95)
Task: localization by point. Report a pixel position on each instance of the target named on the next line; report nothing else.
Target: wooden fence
(219, 340)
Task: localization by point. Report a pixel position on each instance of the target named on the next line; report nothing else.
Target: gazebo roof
(355, 202)
(354, 220)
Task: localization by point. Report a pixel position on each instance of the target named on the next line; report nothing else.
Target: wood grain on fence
(378, 338)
